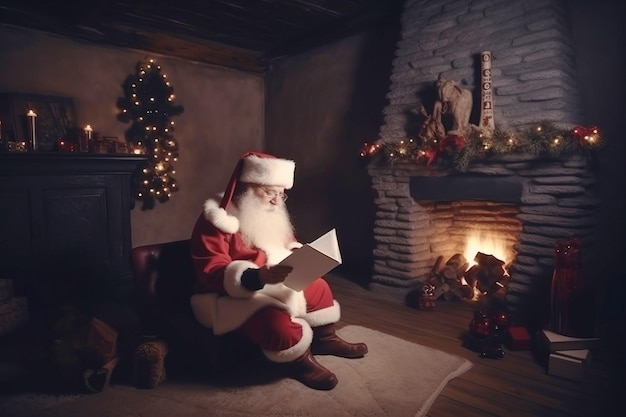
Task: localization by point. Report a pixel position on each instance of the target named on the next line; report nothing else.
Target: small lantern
(426, 299)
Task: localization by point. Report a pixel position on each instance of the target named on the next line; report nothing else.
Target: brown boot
(308, 371)
(326, 342)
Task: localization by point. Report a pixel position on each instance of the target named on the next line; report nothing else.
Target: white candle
(88, 131)
(31, 115)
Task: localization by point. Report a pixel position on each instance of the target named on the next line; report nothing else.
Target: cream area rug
(396, 378)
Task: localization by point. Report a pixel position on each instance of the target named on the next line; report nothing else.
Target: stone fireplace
(530, 201)
(525, 202)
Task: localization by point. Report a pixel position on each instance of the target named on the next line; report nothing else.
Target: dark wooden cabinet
(65, 234)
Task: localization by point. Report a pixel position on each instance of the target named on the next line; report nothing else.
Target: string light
(457, 152)
(148, 106)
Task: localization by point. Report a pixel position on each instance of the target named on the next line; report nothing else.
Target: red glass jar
(567, 284)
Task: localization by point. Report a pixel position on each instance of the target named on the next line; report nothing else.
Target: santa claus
(236, 246)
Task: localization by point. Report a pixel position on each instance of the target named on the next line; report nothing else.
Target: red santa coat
(220, 259)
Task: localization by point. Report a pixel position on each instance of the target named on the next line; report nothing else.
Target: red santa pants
(272, 329)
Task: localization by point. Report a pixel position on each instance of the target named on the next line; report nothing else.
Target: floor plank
(516, 385)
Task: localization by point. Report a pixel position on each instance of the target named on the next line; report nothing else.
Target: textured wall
(223, 115)
(321, 106)
(533, 68)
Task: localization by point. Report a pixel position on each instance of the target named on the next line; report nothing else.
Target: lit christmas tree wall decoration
(148, 105)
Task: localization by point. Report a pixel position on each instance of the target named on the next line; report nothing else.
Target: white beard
(265, 226)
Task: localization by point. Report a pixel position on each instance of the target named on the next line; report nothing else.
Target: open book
(312, 261)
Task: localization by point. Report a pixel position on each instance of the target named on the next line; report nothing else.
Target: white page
(311, 262)
(328, 245)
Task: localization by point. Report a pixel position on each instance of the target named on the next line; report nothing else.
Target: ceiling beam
(191, 49)
(151, 41)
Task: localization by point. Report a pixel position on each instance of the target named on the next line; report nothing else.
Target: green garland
(456, 152)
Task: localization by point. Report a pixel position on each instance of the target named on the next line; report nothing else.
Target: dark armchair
(164, 276)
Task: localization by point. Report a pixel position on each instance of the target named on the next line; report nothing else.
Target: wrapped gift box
(569, 364)
(518, 338)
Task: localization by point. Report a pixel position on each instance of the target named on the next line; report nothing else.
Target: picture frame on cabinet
(55, 118)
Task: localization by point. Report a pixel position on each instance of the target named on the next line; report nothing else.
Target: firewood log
(450, 273)
(456, 260)
(487, 260)
(441, 290)
(466, 292)
(496, 272)
(483, 282)
(471, 275)
(461, 271)
(438, 265)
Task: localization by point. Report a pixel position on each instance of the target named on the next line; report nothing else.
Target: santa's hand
(274, 274)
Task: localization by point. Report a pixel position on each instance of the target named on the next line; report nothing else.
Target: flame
(489, 243)
(475, 291)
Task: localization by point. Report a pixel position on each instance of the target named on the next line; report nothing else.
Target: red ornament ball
(481, 325)
(502, 320)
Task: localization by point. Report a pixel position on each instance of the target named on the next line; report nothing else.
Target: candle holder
(137, 149)
(85, 139)
(83, 142)
(31, 117)
(55, 118)
(21, 146)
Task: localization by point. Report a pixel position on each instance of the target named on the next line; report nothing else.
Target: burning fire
(489, 243)
(480, 270)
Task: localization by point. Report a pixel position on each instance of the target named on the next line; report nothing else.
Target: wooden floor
(516, 385)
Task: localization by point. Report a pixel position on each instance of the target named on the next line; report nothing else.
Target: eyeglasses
(271, 194)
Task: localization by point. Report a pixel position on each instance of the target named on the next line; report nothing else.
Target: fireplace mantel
(58, 163)
(65, 225)
(506, 189)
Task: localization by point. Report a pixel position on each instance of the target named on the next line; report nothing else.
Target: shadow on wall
(350, 192)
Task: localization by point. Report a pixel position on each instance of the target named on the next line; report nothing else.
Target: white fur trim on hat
(268, 171)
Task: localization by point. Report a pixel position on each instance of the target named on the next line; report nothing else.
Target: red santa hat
(260, 168)
(253, 168)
